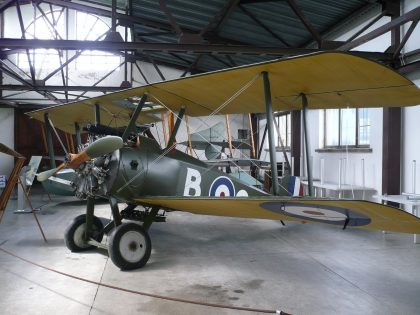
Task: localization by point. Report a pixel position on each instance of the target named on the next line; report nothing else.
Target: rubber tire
(124, 232)
(69, 234)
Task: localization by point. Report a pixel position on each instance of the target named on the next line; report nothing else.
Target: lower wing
(344, 213)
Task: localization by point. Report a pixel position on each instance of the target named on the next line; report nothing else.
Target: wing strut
(288, 169)
(305, 136)
(133, 119)
(97, 114)
(49, 141)
(78, 137)
(270, 122)
(176, 127)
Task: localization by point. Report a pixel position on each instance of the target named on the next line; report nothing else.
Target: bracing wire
(215, 112)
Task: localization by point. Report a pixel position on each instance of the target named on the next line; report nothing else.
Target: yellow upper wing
(329, 80)
(112, 114)
(359, 213)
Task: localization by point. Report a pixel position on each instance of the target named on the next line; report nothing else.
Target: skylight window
(48, 26)
(90, 27)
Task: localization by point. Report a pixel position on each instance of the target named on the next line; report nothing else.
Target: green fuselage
(144, 170)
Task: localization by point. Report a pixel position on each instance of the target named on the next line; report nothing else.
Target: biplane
(132, 168)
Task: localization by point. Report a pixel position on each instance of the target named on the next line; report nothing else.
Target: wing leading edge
(328, 79)
(343, 213)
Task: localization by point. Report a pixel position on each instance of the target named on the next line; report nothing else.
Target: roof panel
(195, 15)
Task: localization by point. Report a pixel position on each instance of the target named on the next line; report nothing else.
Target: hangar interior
(54, 52)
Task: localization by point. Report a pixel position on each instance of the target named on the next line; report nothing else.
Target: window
(243, 134)
(283, 121)
(53, 25)
(91, 27)
(348, 127)
(44, 59)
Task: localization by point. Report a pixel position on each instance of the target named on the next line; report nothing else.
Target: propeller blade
(47, 174)
(104, 145)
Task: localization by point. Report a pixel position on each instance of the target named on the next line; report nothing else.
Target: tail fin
(293, 185)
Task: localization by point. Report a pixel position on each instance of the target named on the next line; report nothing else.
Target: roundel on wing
(222, 187)
(318, 213)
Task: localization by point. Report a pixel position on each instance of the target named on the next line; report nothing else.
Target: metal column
(270, 121)
(305, 139)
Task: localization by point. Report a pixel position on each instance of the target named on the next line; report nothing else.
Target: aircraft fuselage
(143, 170)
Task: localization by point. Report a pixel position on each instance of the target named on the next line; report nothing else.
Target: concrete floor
(300, 269)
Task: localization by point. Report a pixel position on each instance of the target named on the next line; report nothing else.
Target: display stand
(13, 180)
(27, 176)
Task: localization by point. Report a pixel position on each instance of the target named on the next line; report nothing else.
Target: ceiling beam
(413, 15)
(4, 5)
(220, 18)
(192, 66)
(220, 60)
(258, 1)
(15, 43)
(31, 86)
(305, 21)
(17, 87)
(262, 25)
(125, 20)
(231, 61)
(171, 18)
(348, 20)
(8, 104)
(158, 60)
(405, 39)
(28, 105)
(368, 25)
(408, 68)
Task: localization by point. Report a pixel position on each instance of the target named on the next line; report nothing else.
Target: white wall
(411, 144)
(373, 161)
(352, 172)
(411, 118)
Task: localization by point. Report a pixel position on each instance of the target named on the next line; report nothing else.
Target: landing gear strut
(129, 244)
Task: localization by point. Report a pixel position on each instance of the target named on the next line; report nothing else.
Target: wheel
(73, 236)
(129, 246)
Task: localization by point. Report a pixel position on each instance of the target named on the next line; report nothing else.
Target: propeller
(98, 148)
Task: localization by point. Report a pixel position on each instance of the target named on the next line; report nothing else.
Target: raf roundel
(318, 213)
(222, 187)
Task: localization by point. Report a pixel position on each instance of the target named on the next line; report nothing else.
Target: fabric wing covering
(328, 79)
(359, 213)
